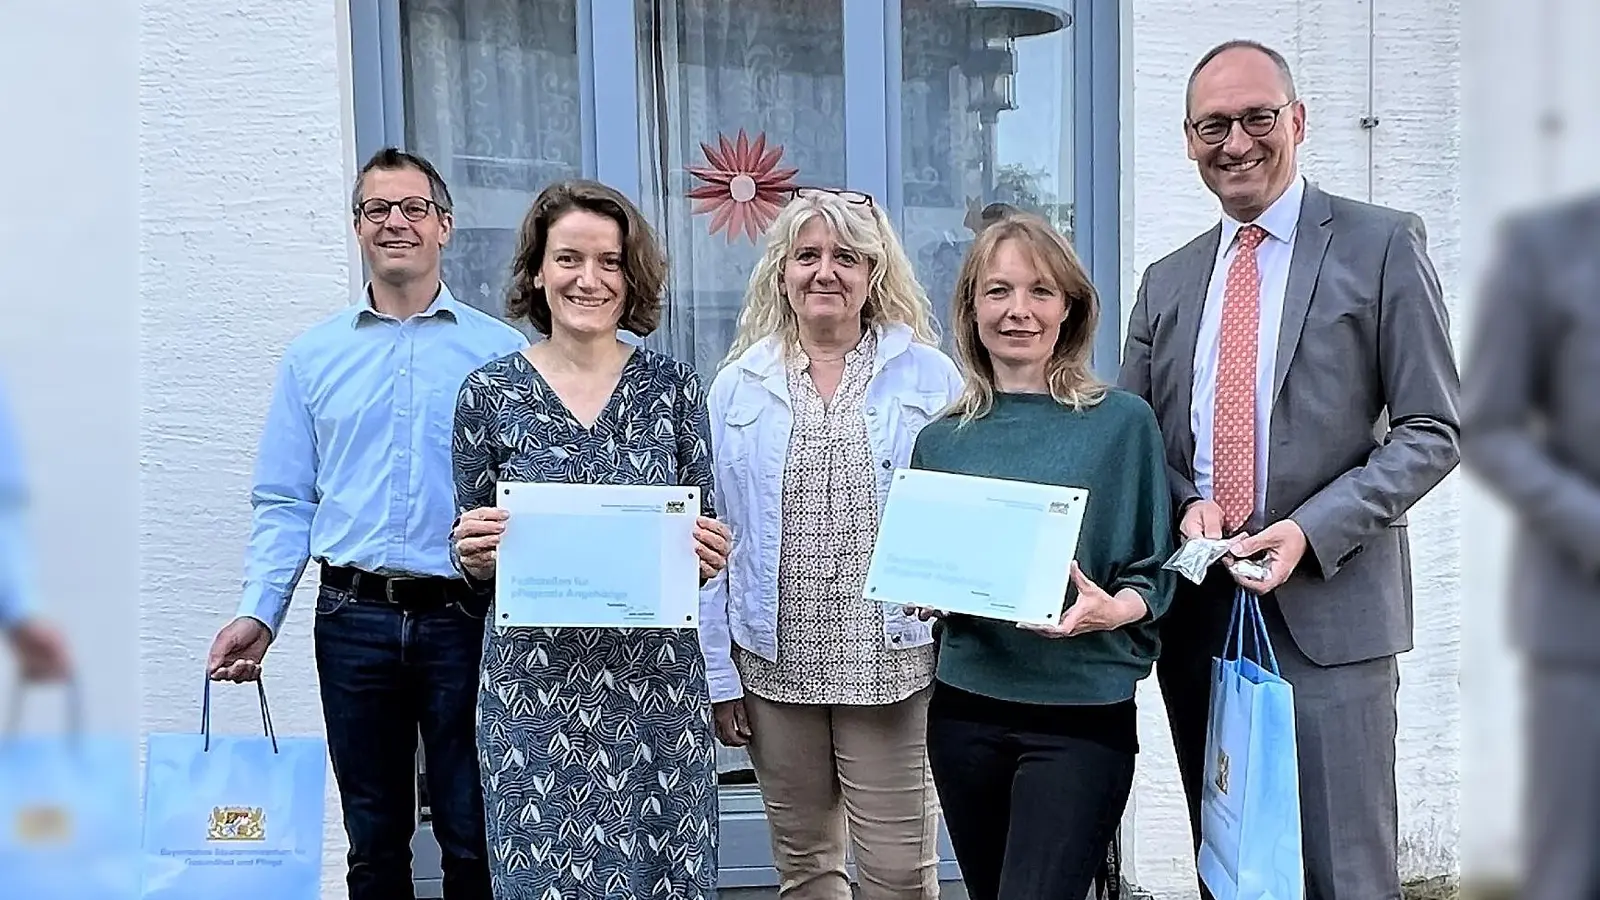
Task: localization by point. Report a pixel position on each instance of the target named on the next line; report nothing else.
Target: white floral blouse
(830, 640)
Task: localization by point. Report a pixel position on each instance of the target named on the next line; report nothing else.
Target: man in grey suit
(1531, 412)
(1298, 360)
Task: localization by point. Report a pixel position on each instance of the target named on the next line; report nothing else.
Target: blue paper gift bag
(1250, 804)
(233, 817)
(69, 813)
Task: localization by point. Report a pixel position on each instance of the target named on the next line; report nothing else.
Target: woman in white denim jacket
(832, 374)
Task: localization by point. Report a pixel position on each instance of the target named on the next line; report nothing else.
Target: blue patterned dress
(595, 744)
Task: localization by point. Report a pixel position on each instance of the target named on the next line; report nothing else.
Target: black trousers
(1030, 812)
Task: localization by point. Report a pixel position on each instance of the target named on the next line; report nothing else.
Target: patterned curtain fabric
(492, 99)
(712, 69)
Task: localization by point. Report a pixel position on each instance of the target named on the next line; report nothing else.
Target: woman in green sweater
(1032, 731)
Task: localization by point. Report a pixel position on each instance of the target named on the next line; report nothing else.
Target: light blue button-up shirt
(354, 463)
(17, 596)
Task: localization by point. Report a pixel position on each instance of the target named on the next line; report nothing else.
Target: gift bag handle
(1247, 614)
(1238, 616)
(1263, 640)
(266, 716)
(74, 708)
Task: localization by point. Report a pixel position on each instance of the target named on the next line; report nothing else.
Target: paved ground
(951, 890)
(1432, 889)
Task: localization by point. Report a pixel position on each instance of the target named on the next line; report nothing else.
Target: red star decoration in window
(744, 187)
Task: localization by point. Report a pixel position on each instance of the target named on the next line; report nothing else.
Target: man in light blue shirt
(354, 471)
(40, 649)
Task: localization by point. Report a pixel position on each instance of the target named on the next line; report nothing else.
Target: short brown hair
(393, 158)
(644, 266)
(1072, 381)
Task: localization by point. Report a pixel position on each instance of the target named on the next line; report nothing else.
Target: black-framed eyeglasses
(415, 209)
(856, 197)
(1255, 122)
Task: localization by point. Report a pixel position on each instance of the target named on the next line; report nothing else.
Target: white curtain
(492, 100)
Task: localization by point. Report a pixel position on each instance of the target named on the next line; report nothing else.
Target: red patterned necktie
(1233, 420)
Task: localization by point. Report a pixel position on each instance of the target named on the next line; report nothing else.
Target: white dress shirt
(1281, 220)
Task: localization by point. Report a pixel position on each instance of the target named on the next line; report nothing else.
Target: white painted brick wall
(244, 183)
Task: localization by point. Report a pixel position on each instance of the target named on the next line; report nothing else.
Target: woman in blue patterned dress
(595, 744)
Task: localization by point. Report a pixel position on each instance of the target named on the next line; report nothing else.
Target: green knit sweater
(1114, 451)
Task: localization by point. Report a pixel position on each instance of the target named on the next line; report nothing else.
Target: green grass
(1442, 888)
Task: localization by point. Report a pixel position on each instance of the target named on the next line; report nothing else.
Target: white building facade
(248, 120)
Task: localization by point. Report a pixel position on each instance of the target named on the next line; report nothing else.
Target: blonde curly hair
(894, 296)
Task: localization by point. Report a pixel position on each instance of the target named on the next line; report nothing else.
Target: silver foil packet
(1251, 569)
(1196, 556)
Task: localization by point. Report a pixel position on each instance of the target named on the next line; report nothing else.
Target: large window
(935, 107)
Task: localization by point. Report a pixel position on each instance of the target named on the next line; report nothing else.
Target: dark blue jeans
(388, 674)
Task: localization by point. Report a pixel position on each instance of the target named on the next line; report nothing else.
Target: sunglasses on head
(856, 197)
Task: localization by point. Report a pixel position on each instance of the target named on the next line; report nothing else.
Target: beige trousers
(828, 771)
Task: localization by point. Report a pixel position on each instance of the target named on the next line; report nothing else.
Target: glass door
(494, 97)
(986, 115)
(936, 107)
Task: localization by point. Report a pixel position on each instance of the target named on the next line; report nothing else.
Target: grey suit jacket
(1531, 406)
(1364, 414)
